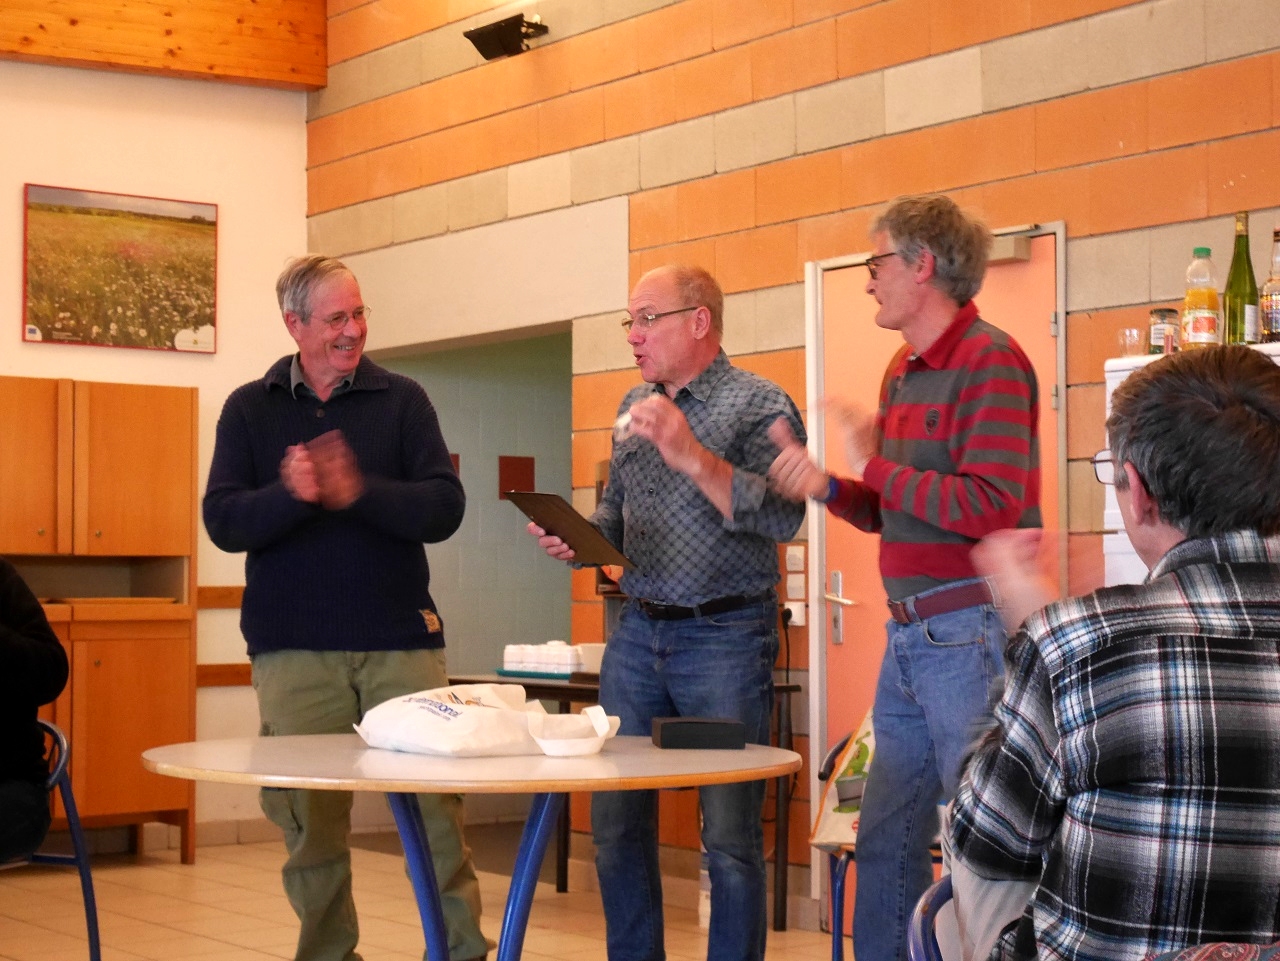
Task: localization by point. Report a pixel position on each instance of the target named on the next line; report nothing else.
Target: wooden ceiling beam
(273, 43)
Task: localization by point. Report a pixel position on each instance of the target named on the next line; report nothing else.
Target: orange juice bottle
(1201, 310)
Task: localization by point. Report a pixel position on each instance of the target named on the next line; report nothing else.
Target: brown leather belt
(921, 607)
(717, 605)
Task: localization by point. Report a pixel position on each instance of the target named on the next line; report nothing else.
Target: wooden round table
(342, 762)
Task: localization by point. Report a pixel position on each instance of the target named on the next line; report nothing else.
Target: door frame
(814, 272)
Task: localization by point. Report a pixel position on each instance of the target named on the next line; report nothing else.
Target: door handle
(837, 602)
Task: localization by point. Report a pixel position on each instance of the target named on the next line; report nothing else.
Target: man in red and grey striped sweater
(951, 455)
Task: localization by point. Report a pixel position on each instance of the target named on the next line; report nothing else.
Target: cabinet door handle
(97, 663)
(97, 533)
(40, 531)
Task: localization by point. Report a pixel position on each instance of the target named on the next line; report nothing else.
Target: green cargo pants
(326, 692)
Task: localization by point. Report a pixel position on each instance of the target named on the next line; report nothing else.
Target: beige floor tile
(178, 946)
(41, 941)
(237, 954)
(275, 909)
(392, 935)
(551, 942)
(124, 932)
(221, 928)
(229, 906)
(595, 953)
(17, 934)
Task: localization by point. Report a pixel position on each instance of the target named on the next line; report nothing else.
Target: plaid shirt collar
(702, 385)
(1236, 547)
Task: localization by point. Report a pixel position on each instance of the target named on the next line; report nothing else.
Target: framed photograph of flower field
(119, 271)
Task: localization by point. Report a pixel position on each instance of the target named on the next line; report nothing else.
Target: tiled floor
(229, 906)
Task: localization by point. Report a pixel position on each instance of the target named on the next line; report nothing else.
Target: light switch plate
(795, 587)
(795, 557)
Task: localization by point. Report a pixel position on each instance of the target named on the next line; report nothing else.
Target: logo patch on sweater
(432, 620)
(931, 420)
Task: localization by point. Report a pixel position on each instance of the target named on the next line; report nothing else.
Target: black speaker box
(699, 732)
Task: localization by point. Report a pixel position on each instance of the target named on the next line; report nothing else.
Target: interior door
(1019, 297)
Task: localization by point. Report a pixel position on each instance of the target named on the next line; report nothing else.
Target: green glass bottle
(1240, 298)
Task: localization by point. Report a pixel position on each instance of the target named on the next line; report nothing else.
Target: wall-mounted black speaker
(506, 37)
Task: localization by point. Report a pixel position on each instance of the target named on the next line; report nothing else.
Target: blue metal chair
(60, 778)
(837, 861)
(922, 941)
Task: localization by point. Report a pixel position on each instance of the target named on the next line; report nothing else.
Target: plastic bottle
(1201, 313)
(1270, 299)
(1240, 296)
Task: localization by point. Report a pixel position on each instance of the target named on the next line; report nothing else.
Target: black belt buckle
(722, 605)
(665, 612)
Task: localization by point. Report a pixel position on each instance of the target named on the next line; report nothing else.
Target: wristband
(833, 488)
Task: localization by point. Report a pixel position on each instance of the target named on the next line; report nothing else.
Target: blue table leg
(417, 855)
(524, 879)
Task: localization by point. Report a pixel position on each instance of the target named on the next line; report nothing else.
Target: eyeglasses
(645, 321)
(339, 320)
(873, 263)
(1104, 468)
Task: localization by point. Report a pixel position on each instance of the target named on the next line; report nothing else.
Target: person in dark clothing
(331, 474)
(33, 671)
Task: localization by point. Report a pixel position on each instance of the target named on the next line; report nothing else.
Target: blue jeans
(720, 666)
(933, 686)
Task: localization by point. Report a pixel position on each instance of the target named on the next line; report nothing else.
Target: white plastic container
(592, 656)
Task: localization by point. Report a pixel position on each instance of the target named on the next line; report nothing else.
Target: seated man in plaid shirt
(1133, 769)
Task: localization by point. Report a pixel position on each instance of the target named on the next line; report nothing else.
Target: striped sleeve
(993, 447)
(857, 504)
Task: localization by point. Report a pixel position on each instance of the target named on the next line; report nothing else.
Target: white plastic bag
(481, 720)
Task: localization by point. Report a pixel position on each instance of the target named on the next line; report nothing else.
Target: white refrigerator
(1121, 565)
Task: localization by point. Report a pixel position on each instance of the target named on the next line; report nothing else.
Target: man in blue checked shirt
(688, 502)
(1133, 769)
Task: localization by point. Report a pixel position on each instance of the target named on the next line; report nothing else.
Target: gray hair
(300, 277)
(959, 243)
(698, 288)
(1202, 430)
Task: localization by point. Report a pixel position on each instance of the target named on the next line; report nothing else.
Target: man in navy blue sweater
(331, 473)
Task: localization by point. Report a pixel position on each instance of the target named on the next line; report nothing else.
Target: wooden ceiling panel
(274, 43)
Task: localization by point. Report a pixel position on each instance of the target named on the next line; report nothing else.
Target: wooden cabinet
(99, 516)
(96, 469)
(35, 465)
(133, 480)
(132, 672)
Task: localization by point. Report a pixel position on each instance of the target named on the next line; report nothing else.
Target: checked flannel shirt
(684, 550)
(1136, 762)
